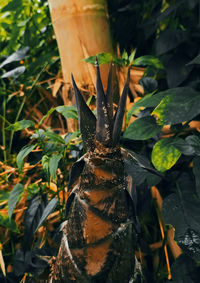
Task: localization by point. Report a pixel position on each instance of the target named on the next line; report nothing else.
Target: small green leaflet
(103, 58)
(142, 129)
(22, 154)
(14, 197)
(164, 154)
(48, 209)
(53, 164)
(20, 125)
(68, 112)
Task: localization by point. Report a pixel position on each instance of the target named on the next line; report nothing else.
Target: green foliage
(142, 129)
(163, 37)
(164, 154)
(14, 197)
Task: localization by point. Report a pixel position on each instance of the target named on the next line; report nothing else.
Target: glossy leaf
(148, 60)
(194, 142)
(142, 129)
(196, 60)
(164, 154)
(14, 197)
(149, 100)
(183, 146)
(48, 209)
(181, 105)
(169, 39)
(182, 210)
(185, 270)
(15, 73)
(20, 125)
(196, 171)
(53, 164)
(17, 56)
(68, 112)
(22, 154)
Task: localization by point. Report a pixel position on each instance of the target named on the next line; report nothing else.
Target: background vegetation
(161, 128)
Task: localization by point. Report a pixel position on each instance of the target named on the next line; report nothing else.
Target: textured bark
(98, 236)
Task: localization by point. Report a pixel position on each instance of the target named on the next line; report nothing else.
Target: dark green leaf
(177, 71)
(53, 164)
(14, 197)
(148, 60)
(149, 100)
(149, 84)
(181, 105)
(196, 171)
(196, 60)
(20, 125)
(164, 154)
(12, 5)
(17, 56)
(31, 219)
(194, 142)
(8, 223)
(68, 112)
(185, 270)
(169, 39)
(54, 137)
(48, 209)
(183, 146)
(182, 210)
(142, 129)
(15, 73)
(22, 154)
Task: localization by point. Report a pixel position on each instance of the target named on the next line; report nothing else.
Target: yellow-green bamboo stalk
(82, 30)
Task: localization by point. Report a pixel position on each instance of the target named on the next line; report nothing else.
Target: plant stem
(16, 119)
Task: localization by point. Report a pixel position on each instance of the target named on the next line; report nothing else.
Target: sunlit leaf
(103, 58)
(14, 197)
(164, 154)
(48, 209)
(22, 154)
(20, 125)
